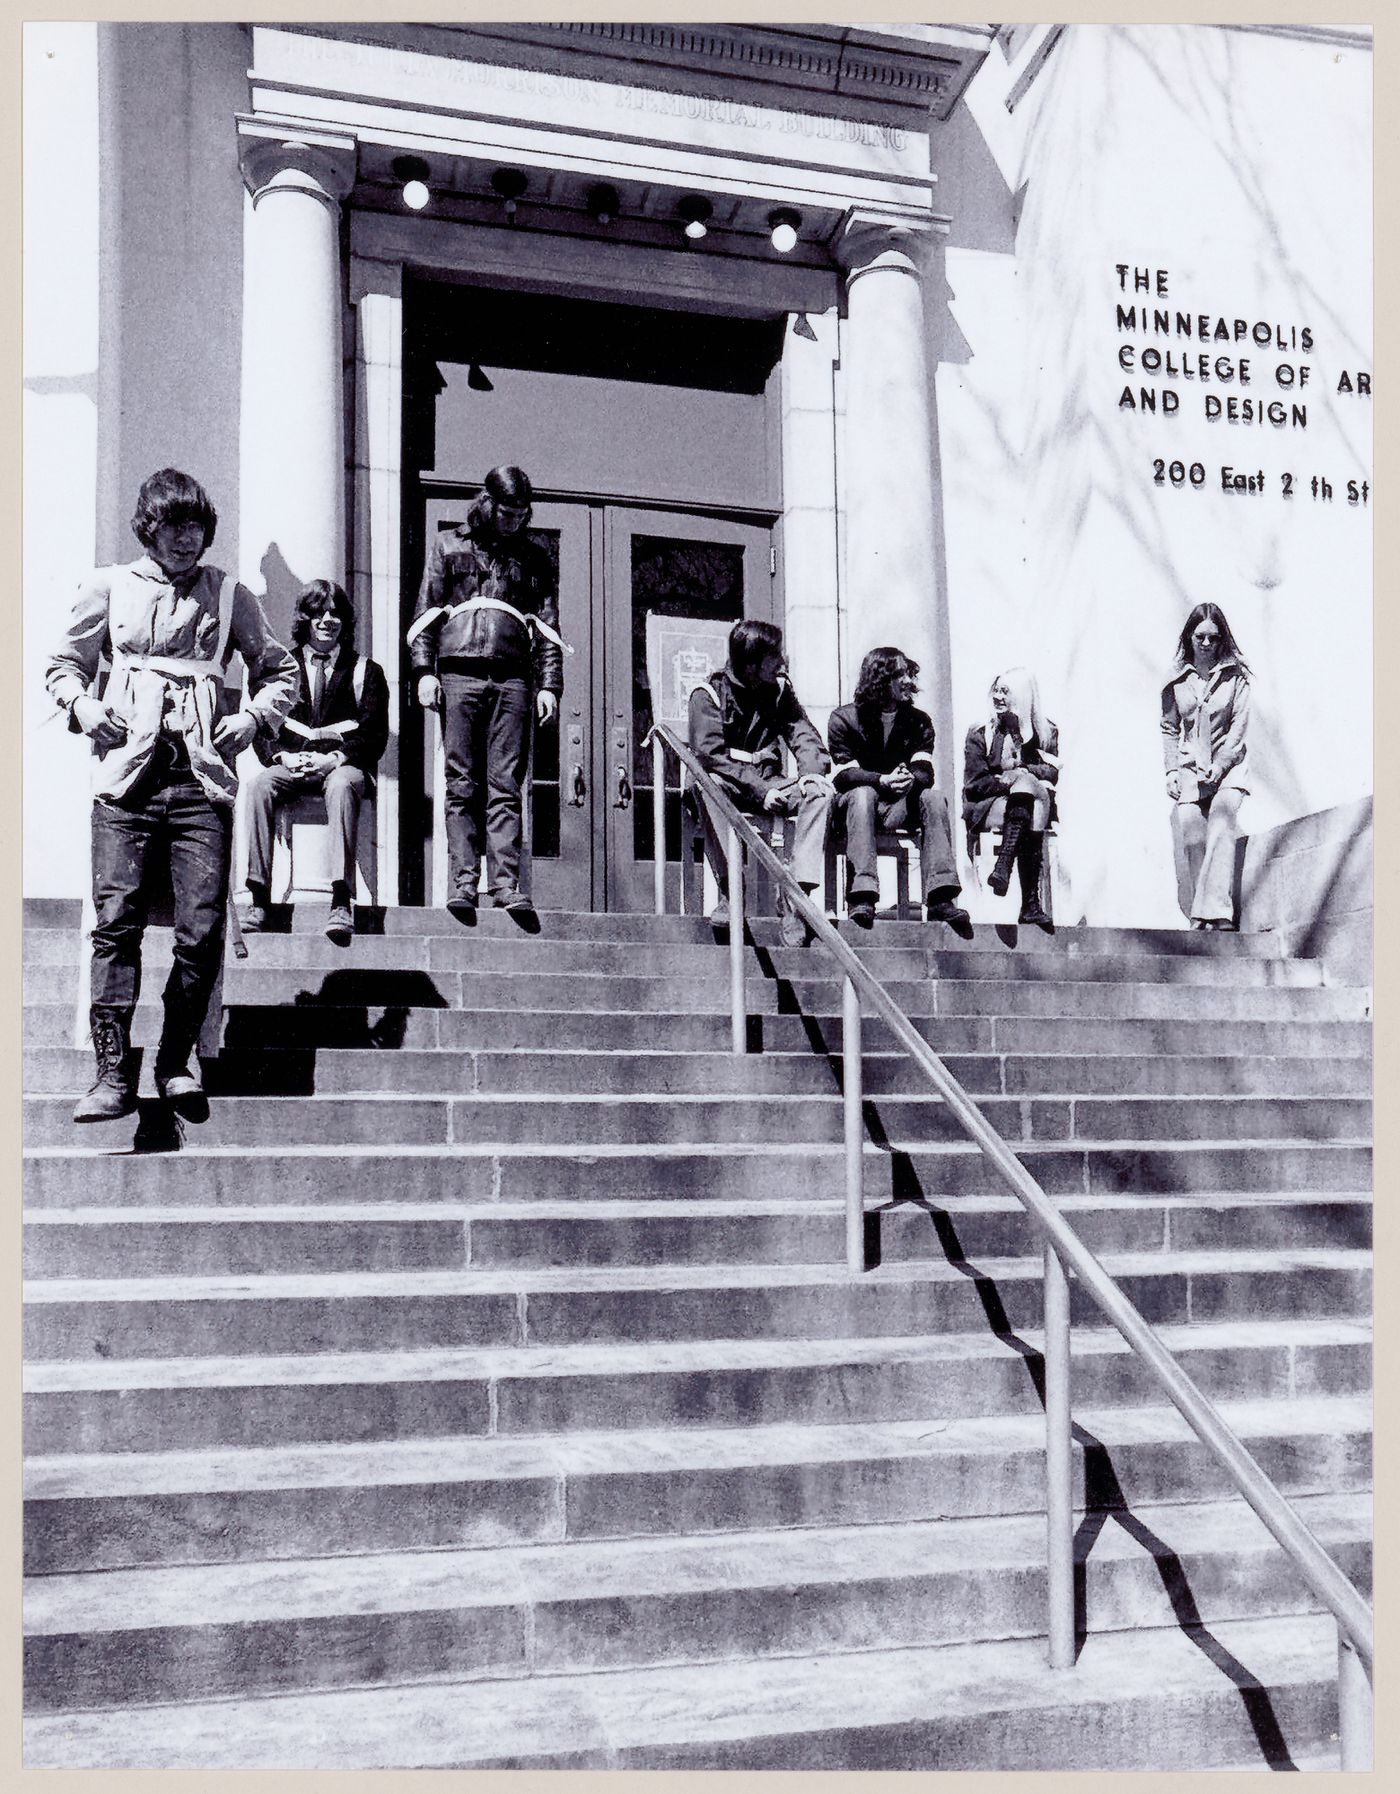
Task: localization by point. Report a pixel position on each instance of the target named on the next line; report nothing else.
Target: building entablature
(560, 133)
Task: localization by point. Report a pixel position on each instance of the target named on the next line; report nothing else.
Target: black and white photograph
(697, 765)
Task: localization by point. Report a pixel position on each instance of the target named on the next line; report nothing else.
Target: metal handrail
(1064, 1249)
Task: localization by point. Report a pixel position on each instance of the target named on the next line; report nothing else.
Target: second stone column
(292, 440)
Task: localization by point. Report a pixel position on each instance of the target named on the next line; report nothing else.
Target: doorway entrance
(591, 814)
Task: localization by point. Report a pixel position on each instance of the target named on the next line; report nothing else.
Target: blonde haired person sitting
(1014, 758)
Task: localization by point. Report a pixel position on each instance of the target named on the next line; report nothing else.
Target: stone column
(811, 611)
(891, 591)
(375, 577)
(292, 428)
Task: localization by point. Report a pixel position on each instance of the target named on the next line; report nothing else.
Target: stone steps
(708, 992)
(589, 1121)
(60, 950)
(414, 1310)
(1149, 1700)
(308, 921)
(402, 1618)
(110, 1512)
(483, 1384)
(169, 1404)
(391, 1236)
(59, 1070)
(305, 1174)
(384, 1027)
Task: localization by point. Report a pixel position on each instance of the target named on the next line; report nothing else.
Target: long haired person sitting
(882, 769)
(330, 744)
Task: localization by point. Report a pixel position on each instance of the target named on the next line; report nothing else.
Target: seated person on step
(163, 772)
(740, 719)
(882, 758)
(1013, 758)
(330, 744)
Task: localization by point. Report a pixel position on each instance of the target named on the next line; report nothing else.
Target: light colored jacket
(169, 646)
(1203, 728)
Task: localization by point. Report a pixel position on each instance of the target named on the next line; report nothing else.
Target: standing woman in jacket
(1014, 756)
(1205, 712)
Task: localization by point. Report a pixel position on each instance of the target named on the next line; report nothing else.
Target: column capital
(318, 163)
(869, 240)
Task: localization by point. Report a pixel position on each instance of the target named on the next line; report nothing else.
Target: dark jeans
(166, 824)
(486, 740)
(861, 813)
(272, 786)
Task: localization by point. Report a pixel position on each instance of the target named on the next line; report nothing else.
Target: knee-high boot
(1030, 860)
(1018, 814)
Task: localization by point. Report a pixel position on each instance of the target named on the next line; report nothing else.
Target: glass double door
(591, 817)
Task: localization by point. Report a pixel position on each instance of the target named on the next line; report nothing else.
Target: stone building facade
(993, 403)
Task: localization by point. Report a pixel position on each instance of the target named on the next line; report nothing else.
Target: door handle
(579, 793)
(622, 758)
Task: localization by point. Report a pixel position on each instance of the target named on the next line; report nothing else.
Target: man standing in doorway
(485, 646)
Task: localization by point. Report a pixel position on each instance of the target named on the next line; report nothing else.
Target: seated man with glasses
(330, 744)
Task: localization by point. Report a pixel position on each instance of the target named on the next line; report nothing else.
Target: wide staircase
(483, 1384)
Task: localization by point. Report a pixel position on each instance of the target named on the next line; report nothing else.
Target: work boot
(941, 908)
(719, 915)
(1029, 860)
(177, 1073)
(521, 910)
(340, 924)
(114, 1092)
(254, 918)
(792, 930)
(861, 909)
(1014, 821)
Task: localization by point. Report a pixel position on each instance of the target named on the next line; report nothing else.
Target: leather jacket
(738, 731)
(472, 562)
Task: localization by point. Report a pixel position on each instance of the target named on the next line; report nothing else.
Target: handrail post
(738, 1005)
(852, 1079)
(1059, 1464)
(658, 823)
(1354, 1707)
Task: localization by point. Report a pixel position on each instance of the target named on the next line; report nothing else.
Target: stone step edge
(395, 1582)
(744, 1099)
(580, 1153)
(651, 1357)
(651, 1208)
(653, 1451)
(605, 1713)
(667, 1279)
(699, 931)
